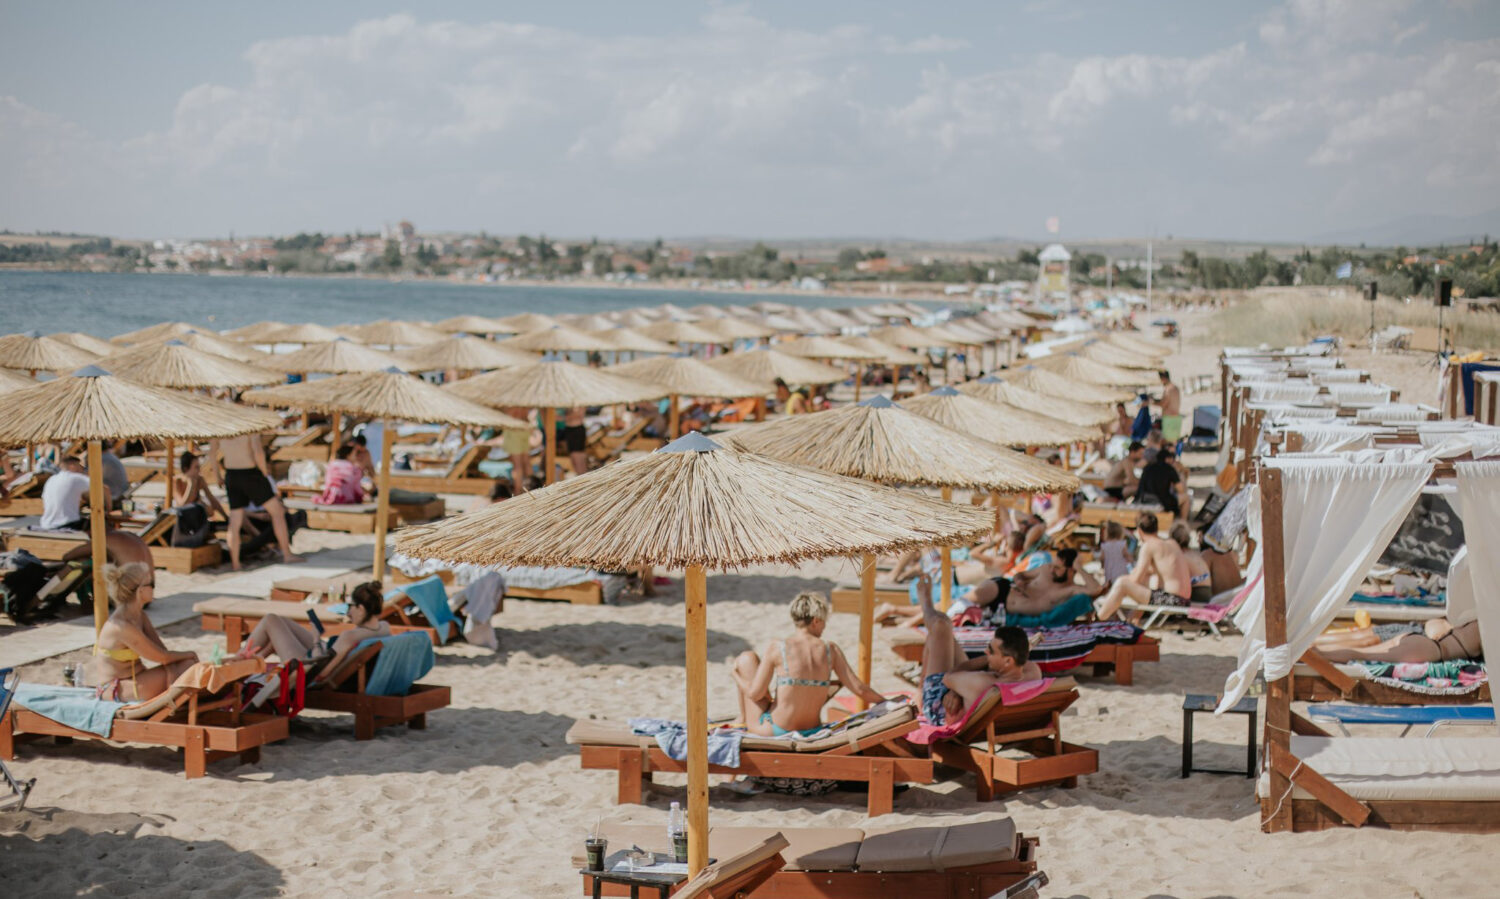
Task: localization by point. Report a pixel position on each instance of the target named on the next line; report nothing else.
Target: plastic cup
(595, 849)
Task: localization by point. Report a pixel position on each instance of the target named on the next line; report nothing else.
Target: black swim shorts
(575, 438)
(247, 486)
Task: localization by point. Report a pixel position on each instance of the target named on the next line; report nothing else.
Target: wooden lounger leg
(417, 722)
(632, 776)
(984, 776)
(1124, 667)
(234, 630)
(8, 737)
(364, 724)
(882, 787)
(195, 754)
(250, 756)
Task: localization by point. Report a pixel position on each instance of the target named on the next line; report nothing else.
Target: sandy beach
(490, 801)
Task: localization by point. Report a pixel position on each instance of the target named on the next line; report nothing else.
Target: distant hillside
(1424, 230)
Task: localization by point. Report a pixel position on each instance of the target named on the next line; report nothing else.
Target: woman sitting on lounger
(127, 641)
(343, 482)
(1439, 642)
(287, 640)
(784, 689)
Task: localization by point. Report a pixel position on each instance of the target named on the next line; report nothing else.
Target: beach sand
(490, 801)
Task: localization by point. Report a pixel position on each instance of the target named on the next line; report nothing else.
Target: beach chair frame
(461, 476)
(1317, 679)
(344, 691)
(1034, 726)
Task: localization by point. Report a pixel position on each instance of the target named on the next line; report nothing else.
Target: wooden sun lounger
(298, 589)
(461, 476)
(971, 860)
(1034, 726)
(1316, 679)
(237, 616)
(140, 469)
(25, 496)
(848, 597)
(352, 518)
(873, 753)
(207, 728)
(310, 443)
(1106, 658)
(54, 546)
(1096, 514)
(587, 593)
(344, 691)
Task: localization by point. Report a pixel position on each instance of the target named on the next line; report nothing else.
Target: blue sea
(108, 304)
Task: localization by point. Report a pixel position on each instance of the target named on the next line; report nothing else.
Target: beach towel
(1010, 694)
(671, 736)
(1057, 649)
(75, 707)
(1451, 676)
(429, 595)
(403, 658)
(482, 597)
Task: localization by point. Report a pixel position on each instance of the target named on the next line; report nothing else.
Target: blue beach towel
(403, 659)
(75, 707)
(432, 599)
(671, 736)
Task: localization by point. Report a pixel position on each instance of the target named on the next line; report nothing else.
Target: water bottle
(677, 833)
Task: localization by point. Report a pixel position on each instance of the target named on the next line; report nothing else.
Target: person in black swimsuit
(1440, 642)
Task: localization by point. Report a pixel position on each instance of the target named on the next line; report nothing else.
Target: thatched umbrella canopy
(995, 422)
(808, 323)
(764, 365)
(818, 347)
(471, 324)
(153, 332)
(173, 363)
(632, 318)
(1138, 343)
(998, 389)
(254, 333)
(684, 332)
(213, 343)
(1109, 354)
(10, 380)
(706, 311)
(672, 312)
(783, 325)
(593, 321)
(629, 340)
(389, 395)
(305, 333)
(390, 333)
(526, 322)
(32, 352)
(877, 440)
(1076, 367)
(557, 339)
(832, 319)
(862, 316)
(463, 352)
(889, 311)
(886, 353)
(727, 328)
(95, 406)
(686, 376)
(96, 345)
(697, 505)
(548, 384)
(1056, 384)
(913, 337)
(336, 357)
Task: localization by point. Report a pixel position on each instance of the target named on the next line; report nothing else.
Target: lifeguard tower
(1054, 281)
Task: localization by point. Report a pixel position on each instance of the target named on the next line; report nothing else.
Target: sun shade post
(866, 619)
(696, 592)
(947, 566)
(98, 508)
(1278, 692)
(336, 434)
(549, 451)
(171, 447)
(859, 377)
(672, 419)
(383, 502)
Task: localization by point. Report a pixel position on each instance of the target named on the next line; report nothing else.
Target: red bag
(289, 681)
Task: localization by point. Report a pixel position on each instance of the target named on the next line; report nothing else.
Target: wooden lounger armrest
(351, 665)
(1329, 672)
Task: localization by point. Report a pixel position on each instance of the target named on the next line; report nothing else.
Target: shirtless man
(246, 479)
(1171, 408)
(189, 487)
(1121, 482)
(951, 682)
(1045, 596)
(1160, 557)
(575, 438)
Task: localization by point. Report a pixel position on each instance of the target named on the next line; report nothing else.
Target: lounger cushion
(809, 848)
(351, 508)
(1393, 768)
(251, 608)
(906, 848)
(604, 733)
(977, 843)
(902, 848)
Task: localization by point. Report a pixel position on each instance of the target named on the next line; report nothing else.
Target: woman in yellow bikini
(127, 641)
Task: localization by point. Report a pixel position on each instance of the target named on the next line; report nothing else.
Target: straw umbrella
(255, 333)
(1109, 354)
(389, 395)
(1079, 368)
(10, 380)
(95, 406)
(303, 334)
(594, 321)
(765, 365)
(632, 318)
(1055, 383)
(95, 345)
(153, 332)
(728, 328)
(175, 364)
(684, 333)
(463, 352)
(471, 324)
(557, 339)
(684, 375)
(832, 349)
(673, 312)
(999, 389)
(211, 343)
(548, 383)
(335, 357)
(696, 505)
(31, 352)
(1137, 343)
(525, 322)
(996, 422)
(391, 333)
(887, 353)
(629, 340)
(877, 440)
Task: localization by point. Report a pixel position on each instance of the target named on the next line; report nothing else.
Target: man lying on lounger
(952, 682)
(1158, 556)
(1050, 595)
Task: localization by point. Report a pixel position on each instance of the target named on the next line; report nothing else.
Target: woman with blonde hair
(783, 690)
(128, 641)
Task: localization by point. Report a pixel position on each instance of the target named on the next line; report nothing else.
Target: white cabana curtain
(1480, 442)
(1479, 507)
(1338, 375)
(1392, 412)
(1338, 516)
(1360, 394)
(1333, 439)
(1283, 393)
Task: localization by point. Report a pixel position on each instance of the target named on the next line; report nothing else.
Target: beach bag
(193, 527)
(20, 587)
(283, 689)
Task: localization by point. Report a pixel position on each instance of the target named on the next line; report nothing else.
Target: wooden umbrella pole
(760, 408)
(171, 451)
(947, 572)
(98, 508)
(383, 503)
(549, 444)
(866, 620)
(672, 421)
(859, 376)
(696, 591)
(336, 435)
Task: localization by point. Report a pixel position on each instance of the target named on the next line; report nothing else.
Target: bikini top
(124, 654)
(1199, 579)
(786, 680)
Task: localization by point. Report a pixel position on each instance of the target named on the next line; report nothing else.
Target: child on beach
(1114, 552)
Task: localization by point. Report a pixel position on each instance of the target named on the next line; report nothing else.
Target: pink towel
(1010, 694)
(1214, 613)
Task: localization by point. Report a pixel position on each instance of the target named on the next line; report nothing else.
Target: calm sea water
(109, 304)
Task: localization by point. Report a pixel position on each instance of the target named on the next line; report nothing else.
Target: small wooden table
(662, 883)
(1203, 702)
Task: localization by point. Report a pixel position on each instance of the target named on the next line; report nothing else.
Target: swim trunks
(575, 438)
(933, 691)
(247, 486)
(1163, 598)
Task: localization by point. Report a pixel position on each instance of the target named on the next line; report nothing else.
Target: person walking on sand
(247, 479)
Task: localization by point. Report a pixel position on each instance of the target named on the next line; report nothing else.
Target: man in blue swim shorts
(952, 682)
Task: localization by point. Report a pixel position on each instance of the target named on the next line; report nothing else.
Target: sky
(953, 121)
